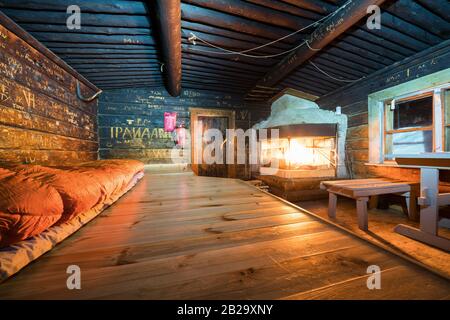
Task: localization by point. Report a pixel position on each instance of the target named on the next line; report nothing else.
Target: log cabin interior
(225, 149)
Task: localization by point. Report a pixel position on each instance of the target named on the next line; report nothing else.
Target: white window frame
(434, 83)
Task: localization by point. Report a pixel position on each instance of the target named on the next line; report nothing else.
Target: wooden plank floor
(180, 236)
(381, 230)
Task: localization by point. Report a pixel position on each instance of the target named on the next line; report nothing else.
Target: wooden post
(169, 21)
(349, 14)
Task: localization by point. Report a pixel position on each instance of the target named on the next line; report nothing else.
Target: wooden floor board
(381, 230)
(187, 237)
(397, 283)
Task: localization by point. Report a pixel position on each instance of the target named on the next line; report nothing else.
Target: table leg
(429, 188)
(332, 202)
(429, 212)
(361, 210)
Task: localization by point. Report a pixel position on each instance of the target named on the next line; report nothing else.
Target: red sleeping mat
(33, 197)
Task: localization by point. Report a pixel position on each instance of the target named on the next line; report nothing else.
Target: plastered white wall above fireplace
(289, 109)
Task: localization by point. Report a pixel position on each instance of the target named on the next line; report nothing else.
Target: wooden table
(430, 199)
(364, 189)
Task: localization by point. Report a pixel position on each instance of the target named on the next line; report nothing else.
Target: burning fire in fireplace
(310, 141)
(300, 151)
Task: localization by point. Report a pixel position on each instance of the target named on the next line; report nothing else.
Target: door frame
(206, 112)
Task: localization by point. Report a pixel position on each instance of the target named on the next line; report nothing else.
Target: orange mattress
(34, 198)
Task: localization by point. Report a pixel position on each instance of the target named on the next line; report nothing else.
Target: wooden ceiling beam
(88, 19)
(78, 46)
(106, 56)
(315, 6)
(101, 61)
(202, 69)
(228, 43)
(294, 10)
(60, 28)
(193, 27)
(97, 52)
(218, 54)
(168, 13)
(76, 38)
(254, 12)
(330, 29)
(209, 65)
(114, 7)
(438, 7)
(227, 21)
(420, 16)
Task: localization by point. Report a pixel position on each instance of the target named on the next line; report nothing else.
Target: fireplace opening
(302, 150)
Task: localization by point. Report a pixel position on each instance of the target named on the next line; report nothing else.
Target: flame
(298, 154)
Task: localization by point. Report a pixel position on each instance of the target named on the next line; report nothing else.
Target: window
(409, 126)
(410, 118)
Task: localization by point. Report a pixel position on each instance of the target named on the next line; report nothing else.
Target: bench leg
(361, 210)
(413, 208)
(332, 202)
(373, 202)
(409, 204)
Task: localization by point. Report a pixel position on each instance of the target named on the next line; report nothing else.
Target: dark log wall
(41, 119)
(354, 102)
(131, 121)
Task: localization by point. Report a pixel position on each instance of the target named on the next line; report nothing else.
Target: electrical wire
(193, 37)
(243, 52)
(310, 48)
(332, 77)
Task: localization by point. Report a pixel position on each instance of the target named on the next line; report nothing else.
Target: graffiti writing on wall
(131, 133)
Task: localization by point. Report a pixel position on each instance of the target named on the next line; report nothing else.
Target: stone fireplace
(309, 148)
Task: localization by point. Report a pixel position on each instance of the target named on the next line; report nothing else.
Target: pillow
(79, 191)
(27, 207)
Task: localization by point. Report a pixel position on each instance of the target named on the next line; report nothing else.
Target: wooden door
(211, 122)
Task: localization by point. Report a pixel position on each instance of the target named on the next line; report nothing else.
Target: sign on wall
(170, 121)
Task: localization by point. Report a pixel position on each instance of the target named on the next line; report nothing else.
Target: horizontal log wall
(41, 119)
(131, 121)
(354, 102)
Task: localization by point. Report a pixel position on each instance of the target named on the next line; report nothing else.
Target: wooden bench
(363, 190)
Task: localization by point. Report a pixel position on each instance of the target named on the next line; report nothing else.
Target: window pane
(411, 142)
(447, 138)
(413, 113)
(446, 106)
